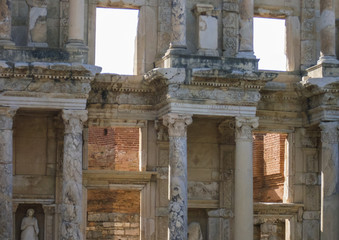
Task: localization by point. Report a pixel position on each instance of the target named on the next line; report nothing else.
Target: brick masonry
(113, 214)
(268, 166)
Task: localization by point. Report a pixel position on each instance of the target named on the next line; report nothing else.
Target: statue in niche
(194, 231)
(29, 226)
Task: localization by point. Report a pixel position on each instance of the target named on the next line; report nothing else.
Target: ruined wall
(113, 214)
(268, 167)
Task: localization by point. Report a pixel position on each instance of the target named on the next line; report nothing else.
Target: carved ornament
(177, 124)
(74, 120)
(244, 126)
(329, 132)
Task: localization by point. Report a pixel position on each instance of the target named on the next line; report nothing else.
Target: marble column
(178, 41)
(71, 211)
(327, 32)
(5, 22)
(243, 204)
(177, 131)
(329, 181)
(246, 12)
(76, 24)
(6, 173)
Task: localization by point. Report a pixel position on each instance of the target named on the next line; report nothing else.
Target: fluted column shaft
(243, 209)
(178, 19)
(5, 22)
(71, 212)
(76, 22)
(177, 130)
(327, 31)
(329, 181)
(246, 12)
(6, 173)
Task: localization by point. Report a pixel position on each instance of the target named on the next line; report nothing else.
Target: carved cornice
(177, 124)
(67, 71)
(225, 78)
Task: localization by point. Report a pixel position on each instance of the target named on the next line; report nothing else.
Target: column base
(246, 55)
(176, 49)
(328, 59)
(76, 44)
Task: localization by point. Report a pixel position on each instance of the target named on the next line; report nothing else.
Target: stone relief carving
(204, 191)
(194, 231)
(29, 226)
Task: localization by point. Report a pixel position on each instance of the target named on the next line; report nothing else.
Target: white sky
(269, 43)
(116, 29)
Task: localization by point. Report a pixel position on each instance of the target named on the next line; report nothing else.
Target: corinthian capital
(73, 120)
(177, 124)
(329, 132)
(244, 127)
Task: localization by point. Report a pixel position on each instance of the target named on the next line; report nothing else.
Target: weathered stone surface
(177, 125)
(71, 213)
(5, 22)
(6, 172)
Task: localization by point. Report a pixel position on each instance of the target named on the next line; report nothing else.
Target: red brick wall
(113, 148)
(268, 167)
(113, 214)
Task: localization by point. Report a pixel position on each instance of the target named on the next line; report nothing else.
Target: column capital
(244, 126)
(329, 132)
(74, 120)
(177, 124)
(6, 117)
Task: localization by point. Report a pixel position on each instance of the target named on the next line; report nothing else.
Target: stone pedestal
(177, 131)
(76, 24)
(6, 172)
(327, 32)
(5, 22)
(243, 209)
(71, 210)
(329, 181)
(246, 12)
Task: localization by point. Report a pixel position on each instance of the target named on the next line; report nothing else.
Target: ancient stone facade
(177, 144)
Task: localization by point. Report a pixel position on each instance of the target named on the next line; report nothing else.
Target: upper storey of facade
(64, 31)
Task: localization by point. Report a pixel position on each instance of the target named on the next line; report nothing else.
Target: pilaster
(243, 209)
(6, 172)
(177, 131)
(71, 211)
(329, 181)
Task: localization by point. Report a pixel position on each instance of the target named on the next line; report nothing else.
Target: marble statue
(29, 226)
(194, 231)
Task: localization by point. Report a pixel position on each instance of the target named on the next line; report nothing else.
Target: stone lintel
(204, 9)
(207, 109)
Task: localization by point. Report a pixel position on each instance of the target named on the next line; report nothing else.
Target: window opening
(269, 43)
(116, 31)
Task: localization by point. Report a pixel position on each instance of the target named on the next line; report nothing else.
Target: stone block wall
(268, 167)
(113, 214)
(113, 149)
